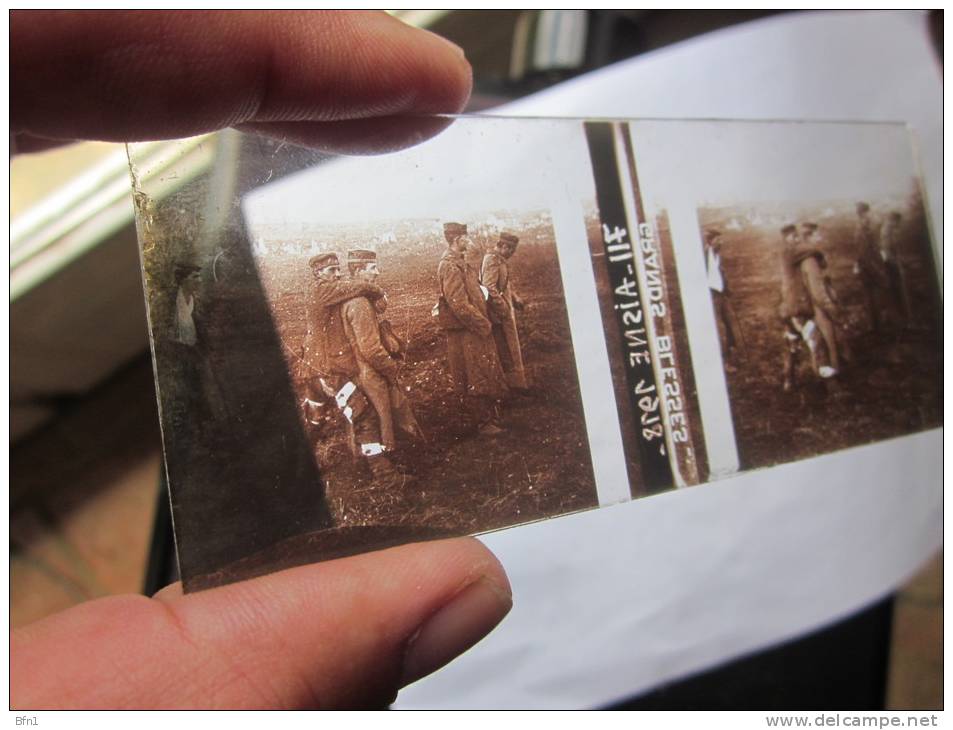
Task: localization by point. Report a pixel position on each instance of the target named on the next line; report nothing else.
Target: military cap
(809, 227)
(711, 234)
(510, 238)
(454, 230)
(789, 228)
(324, 260)
(862, 207)
(361, 256)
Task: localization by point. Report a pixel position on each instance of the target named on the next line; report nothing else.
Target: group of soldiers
(810, 310)
(352, 354)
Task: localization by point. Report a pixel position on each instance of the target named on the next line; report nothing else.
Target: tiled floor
(83, 496)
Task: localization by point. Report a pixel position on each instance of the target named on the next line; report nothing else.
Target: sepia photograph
(434, 368)
(806, 278)
(828, 318)
(513, 320)
(356, 352)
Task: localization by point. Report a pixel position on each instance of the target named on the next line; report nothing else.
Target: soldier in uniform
(813, 265)
(870, 266)
(502, 304)
(899, 297)
(796, 312)
(319, 357)
(471, 352)
(329, 291)
(336, 373)
(376, 352)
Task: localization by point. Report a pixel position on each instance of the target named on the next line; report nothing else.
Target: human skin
(344, 633)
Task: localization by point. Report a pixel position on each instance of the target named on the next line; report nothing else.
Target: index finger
(126, 76)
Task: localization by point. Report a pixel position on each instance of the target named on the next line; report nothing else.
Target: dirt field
(461, 482)
(891, 385)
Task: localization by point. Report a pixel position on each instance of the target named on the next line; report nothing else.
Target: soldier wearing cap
(462, 313)
(812, 264)
(870, 266)
(329, 291)
(502, 304)
(797, 312)
(718, 289)
(325, 351)
(376, 352)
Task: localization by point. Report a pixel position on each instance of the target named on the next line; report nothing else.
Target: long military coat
(795, 298)
(495, 275)
(471, 351)
(811, 263)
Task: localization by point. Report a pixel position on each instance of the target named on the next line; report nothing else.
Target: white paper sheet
(616, 601)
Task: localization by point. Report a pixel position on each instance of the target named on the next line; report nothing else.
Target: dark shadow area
(841, 667)
(242, 473)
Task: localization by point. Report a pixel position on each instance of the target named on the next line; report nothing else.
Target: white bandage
(372, 449)
(807, 331)
(342, 396)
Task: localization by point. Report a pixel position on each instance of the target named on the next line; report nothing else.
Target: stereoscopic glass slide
(490, 321)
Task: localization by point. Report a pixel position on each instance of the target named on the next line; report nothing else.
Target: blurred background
(89, 516)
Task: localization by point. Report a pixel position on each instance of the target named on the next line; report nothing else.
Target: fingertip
(442, 64)
(171, 592)
(490, 567)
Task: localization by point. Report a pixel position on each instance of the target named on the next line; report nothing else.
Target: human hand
(330, 79)
(345, 633)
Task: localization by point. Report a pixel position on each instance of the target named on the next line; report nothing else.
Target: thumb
(345, 633)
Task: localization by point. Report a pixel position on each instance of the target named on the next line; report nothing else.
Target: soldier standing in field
(471, 352)
(327, 292)
(870, 266)
(813, 264)
(502, 304)
(326, 352)
(797, 313)
(889, 251)
(376, 352)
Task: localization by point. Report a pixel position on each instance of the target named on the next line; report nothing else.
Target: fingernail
(449, 44)
(453, 629)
